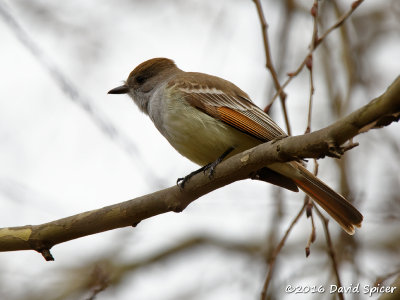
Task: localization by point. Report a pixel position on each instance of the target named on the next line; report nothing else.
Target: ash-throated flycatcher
(207, 118)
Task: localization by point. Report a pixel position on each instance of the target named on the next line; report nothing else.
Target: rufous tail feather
(334, 204)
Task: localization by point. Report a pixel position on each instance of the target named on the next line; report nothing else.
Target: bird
(208, 119)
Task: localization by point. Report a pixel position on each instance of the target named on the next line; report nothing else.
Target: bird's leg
(182, 180)
(210, 166)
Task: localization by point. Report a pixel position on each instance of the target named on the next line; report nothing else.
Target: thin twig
(309, 205)
(331, 252)
(283, 31)
(340, 21)
(381, 279)
(309, 65)
(309, 62)
(272, 235)
(269, 64)
(350, 64)
(276, 252)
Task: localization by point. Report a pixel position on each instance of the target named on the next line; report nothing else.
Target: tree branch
(270, 66)
(325, 142)
(318, 41)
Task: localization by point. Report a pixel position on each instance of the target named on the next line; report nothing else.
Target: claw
(180, 182)
(211, 169)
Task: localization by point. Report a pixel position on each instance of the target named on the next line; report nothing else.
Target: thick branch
(379, 112)
(325, 142)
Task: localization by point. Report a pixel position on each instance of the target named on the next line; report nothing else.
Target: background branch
(270, 65)
(318, 41)
(73, 92)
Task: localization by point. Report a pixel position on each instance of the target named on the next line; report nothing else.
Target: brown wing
(226, 102)
(223, 100)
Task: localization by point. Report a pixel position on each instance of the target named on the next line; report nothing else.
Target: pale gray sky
(56, 160)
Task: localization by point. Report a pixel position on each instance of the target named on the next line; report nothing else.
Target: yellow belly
(202, 138)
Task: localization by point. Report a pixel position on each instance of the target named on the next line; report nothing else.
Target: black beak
(123, 89)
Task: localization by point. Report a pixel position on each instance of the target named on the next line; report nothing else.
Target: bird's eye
(140, 79)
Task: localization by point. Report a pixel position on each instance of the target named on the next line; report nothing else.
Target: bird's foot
(208, 167)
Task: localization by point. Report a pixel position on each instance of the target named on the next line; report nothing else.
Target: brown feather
(334, 204)
(244, 124)
(224, 101)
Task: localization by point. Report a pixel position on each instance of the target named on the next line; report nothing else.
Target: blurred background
(67, 147)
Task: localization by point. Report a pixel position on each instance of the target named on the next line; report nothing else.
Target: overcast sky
(67, 146)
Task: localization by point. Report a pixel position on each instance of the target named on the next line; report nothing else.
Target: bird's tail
(334, 204)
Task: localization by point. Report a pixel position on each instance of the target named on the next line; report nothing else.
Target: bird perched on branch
(207, 119)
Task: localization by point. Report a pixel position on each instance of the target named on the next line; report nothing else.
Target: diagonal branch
(325, 142)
